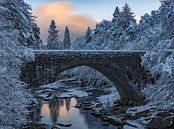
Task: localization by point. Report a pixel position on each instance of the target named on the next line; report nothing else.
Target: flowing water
(61, 113)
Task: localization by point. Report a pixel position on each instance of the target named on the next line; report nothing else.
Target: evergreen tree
(14, 20)
(127, 16)
(88, 36)
(53, 37)
(19, 17)
(66, 40)
(116, 14)
(36, 32)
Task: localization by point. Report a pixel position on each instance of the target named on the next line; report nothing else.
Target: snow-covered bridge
(122, 68)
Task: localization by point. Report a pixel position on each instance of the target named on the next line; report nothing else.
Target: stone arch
(31, 72)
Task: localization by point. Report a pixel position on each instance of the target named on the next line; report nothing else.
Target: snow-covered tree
(67, 39)
(14, 97)
(127, 16)
(19, 15)
(124, 28)
(36, 32)
(53, 37)
(88, 35)
(167, 15)
(115, 34)
(156, 36)
(101, 36)
(79, 43)
(116, 14)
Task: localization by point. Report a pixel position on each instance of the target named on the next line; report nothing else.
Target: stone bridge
(122, 68)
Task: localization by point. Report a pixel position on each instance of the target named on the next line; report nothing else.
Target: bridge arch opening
(87, 75)
(37, 72)
(94, 78)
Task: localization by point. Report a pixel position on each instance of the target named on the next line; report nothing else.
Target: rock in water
(64, 125)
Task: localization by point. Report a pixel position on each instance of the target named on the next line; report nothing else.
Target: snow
(52, 86)
(53, 41)
(73, 93)
(48, 94)
(108, 100)
(49, 91)
(132, 125)
(89, 51)
(1, 113)
(128, 127)
(3, 69)
(134, 110)
(6, 127)
(28, 54)
(153, 36)
(14, 97)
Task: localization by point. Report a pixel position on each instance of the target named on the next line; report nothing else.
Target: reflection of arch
(116, 67)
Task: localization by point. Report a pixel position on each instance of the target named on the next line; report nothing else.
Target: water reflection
(54, 106)
(63, 111)
(68, 103)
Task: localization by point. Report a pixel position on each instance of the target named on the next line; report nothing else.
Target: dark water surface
(61, 112)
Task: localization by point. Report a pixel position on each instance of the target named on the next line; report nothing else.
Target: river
(62, 114)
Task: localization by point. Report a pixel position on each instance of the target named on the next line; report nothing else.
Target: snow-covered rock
(108, 100)
(73, 93)
(132, 125)
(6, 127)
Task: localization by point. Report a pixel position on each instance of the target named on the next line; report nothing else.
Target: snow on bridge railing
(86, 53)
(90, 53)
(126, 51)
(138, 51)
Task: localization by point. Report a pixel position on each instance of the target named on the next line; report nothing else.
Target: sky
(79, 14)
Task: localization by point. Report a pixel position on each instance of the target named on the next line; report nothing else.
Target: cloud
(65, 15)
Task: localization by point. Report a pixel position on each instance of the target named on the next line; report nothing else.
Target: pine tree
(14, 20)
(66, 40)
(127, 16)
(53, 37)
(19, 17)
(88, 36)
(36, 32)
(116, 14)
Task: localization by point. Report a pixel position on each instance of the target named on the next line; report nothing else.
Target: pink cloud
(64, 15)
